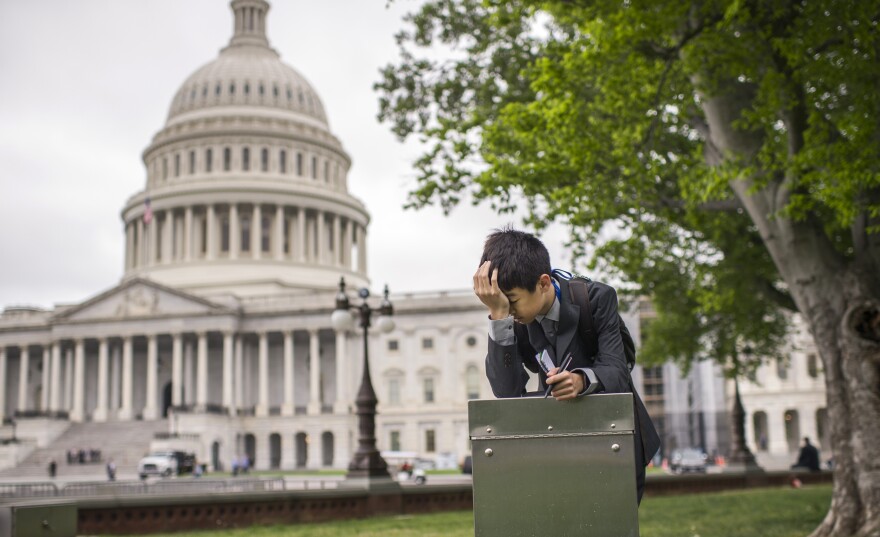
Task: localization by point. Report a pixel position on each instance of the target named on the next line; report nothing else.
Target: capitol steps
(124, 442)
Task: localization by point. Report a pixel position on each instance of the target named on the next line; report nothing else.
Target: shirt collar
(553, 314)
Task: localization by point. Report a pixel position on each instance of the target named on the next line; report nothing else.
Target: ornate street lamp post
(367, 461)
(741, 456)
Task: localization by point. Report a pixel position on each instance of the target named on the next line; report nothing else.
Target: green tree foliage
(592, 113)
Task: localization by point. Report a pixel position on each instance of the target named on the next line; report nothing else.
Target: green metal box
(543, 467)
(38, 518)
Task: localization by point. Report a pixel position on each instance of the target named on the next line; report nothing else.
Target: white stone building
(785, 402)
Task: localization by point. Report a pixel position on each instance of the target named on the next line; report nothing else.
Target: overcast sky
(87, 83)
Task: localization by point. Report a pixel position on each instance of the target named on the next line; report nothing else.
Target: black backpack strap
(580, 295)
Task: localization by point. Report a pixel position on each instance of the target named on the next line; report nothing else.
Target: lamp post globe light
(367, 462)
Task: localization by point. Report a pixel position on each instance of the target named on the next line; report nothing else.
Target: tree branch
(775, 295)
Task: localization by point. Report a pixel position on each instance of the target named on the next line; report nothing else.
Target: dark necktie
(549, 327)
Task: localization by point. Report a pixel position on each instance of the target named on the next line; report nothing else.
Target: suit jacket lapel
(568, 317)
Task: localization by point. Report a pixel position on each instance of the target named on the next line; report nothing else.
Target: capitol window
(264, 159)
(232, 88)
(262, 90)
(192, 162)
(394, 391)
(164, 168)
(430, 441)
(427, 343)
(394, 441)
(472, 382)
(247, 89)
(275, 91)
(209, 158)
(282, 161)
(428, 389)
(393, 345)
(177, 165)
(227, 159)
(782, 369)
(812, 365)
(246, 159)
(299, 164)
(314, 167)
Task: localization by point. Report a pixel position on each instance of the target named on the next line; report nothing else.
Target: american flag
(148, 211)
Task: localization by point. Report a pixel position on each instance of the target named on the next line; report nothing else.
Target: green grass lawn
(778, 512)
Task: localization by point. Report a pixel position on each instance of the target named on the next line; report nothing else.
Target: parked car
(166, 463)
(688, 460)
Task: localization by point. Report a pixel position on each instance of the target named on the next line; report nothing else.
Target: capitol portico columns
(341, 405)
(314, 373)
(228, 346)
(176, 370)
(47, 368)
(125, 407)
(24, 360)
(288, 408)
(77, 408)
(100, 413)
(68, 380)
(202, 371)
(263, 380)
(55, 401)
(151, 410)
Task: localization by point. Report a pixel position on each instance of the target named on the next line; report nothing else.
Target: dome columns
(270, 234)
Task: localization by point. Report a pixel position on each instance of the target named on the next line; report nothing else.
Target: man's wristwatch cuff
(591, 382)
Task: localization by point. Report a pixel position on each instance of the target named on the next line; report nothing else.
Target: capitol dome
(246, 188)
(247, 74)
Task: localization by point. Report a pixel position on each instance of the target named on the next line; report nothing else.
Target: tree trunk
(852, 381)
(840, 302)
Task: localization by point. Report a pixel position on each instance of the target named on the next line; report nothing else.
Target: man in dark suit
(808, 458)
(515, 281)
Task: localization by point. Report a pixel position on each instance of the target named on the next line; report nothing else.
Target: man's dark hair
(520, 257)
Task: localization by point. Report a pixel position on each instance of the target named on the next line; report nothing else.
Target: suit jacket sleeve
(610, 365)
(505, 368)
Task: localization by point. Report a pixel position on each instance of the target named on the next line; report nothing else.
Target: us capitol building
(219, 335)
(218, 339)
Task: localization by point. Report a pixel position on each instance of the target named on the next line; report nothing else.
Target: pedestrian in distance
(535, 325)
(808, 457)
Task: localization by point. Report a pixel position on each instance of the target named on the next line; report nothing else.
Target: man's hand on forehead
(486, 289)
